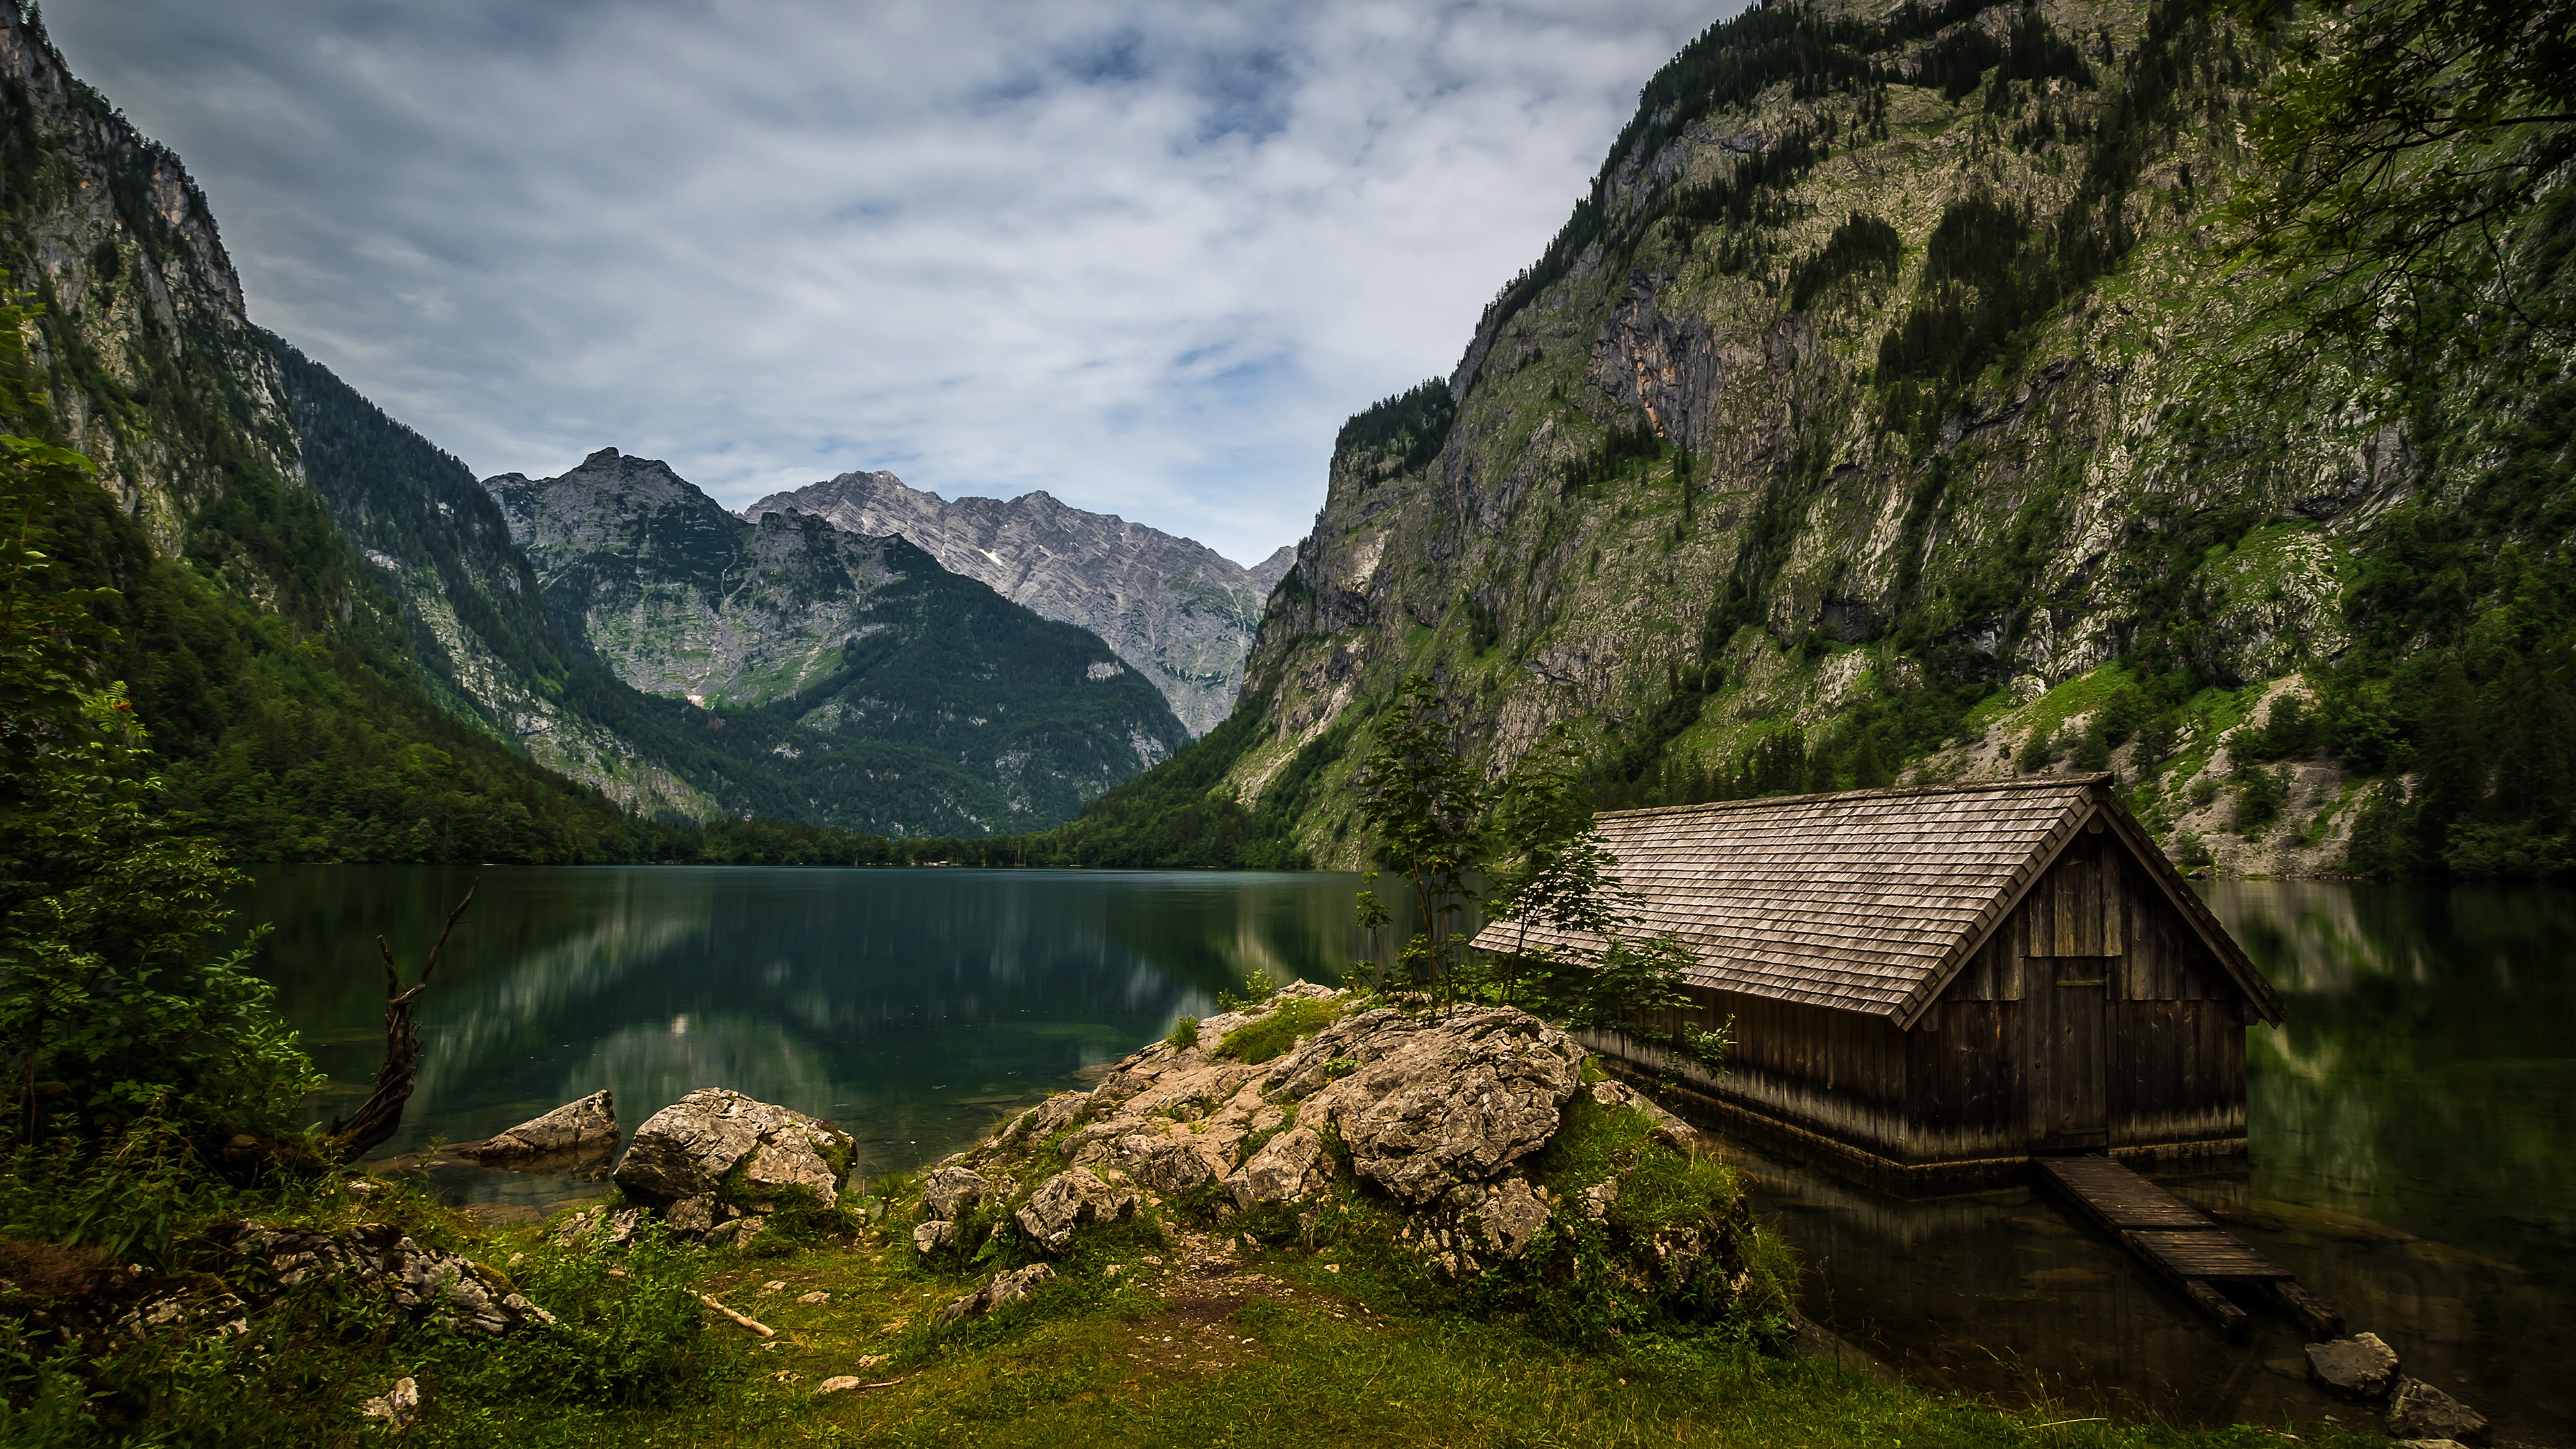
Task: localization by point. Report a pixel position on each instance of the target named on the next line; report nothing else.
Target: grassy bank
(1151, 1335)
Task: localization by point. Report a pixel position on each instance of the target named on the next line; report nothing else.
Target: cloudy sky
(1144, 255)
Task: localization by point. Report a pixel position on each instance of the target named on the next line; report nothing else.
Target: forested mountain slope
(276, 677)
(1178, 611)
(1877, 412)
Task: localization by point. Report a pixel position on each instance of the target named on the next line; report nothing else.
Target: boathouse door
(2071, 1086)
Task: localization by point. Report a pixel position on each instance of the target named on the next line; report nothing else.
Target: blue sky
(1144, 256)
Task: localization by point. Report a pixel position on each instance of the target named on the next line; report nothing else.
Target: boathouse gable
(1938, 983)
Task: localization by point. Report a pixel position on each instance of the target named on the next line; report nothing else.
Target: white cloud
(1146, 256)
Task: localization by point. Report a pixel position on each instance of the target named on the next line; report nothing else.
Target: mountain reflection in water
(913, 1007)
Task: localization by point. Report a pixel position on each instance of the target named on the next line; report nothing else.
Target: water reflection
(2414, 1154)
(912, 1007)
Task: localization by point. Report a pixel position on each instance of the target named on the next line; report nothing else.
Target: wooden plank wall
(1835, 1073)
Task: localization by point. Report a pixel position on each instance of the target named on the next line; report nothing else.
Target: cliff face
(862, 643)
(1179, 612)
(1867, 393)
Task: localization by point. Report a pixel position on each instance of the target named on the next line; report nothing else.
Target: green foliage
(1271, 1036)
(1412, 425)
(113, 1002)
(1552, 868)
(629, 1331)
(1424, 807)
(1863, 246)
(1185, 1033)
(2403, 134)
(2259, 796)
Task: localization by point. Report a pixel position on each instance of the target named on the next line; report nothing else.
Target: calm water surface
(2413, 1125)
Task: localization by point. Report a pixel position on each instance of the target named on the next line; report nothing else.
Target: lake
(2413, 1124)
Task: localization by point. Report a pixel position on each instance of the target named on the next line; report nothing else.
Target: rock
(1426, 1106)
(1669, 1130)
(1005, 1290)
(1071, 1199)
(397, 1408)
(685, 1152)
(839, 1384)
(2359, 1367)
(582, 1128)
(817, 1296)
(424, 1284)
(1599, 1198)
(2417, 1410)
(1510, 1216)
(1288, 1168)
(934, 1235)
(953, 1192)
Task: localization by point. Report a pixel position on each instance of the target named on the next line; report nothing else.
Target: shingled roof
(1867, 901)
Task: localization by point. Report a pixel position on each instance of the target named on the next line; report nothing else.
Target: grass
(1320, 1358)
(1270, 1037)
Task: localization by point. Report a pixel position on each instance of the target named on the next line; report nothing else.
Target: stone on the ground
(1511, 1215)
(838, 1384)
(953, 1192)
(2417, 1410)
(424, 1284)
(398, 1407)
(577, 1128)
(1669, 1130)
(934, 1235)
(1073, 1198)
(682, 1155)
(2359, 1367)
(1005, 1290)
(1288, 1168)
(1425, 1106)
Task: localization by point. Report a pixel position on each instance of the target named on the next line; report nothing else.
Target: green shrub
(639, 1340)
(1185, 1033)
(1259, 1041)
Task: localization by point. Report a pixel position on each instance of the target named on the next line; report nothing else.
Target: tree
(1553, 870)
(2407, 140)
(114, 1004)
(1425, 805)
(2450, 756)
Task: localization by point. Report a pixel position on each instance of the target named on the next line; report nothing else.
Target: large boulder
(1426, 1106)
(578, 1129)
(685, 1158)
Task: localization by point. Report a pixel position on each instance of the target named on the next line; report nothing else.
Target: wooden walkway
(2181, 1242)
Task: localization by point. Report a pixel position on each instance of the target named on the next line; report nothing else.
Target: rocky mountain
(1870, 415)
(863, 643)
(1179, 612)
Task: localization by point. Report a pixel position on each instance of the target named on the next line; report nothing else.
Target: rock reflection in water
(912, 1007)
(2414, 1163)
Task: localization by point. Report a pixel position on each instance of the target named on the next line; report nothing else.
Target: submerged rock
(2417, 1410)
(2359, 1367)
(585, 1126)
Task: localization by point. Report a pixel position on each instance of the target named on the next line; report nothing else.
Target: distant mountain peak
(1179, 612)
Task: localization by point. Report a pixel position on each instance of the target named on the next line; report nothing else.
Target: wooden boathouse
(1936, 985)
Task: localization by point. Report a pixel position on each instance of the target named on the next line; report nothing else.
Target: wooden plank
(2320, 1321)
(2231, 1319)
(2119, 1198)
(2205, 1253)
